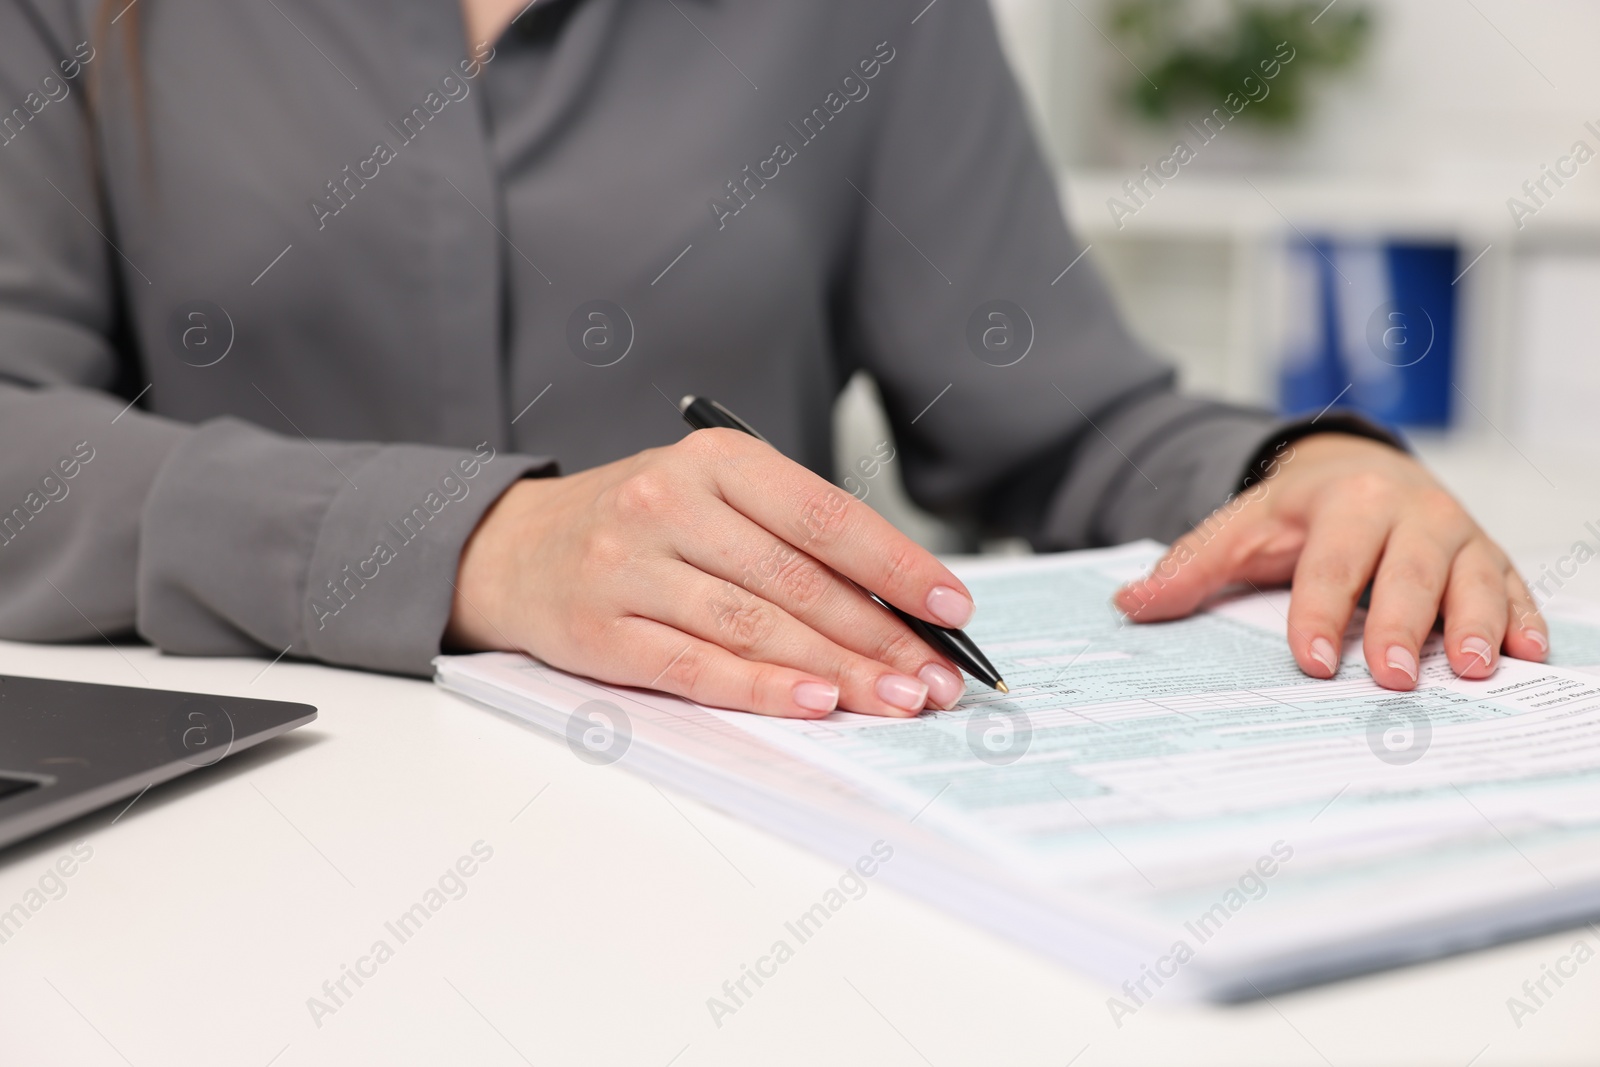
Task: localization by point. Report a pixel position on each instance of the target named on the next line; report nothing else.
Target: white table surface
(214, 907)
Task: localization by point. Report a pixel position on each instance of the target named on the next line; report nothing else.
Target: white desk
(214, 907)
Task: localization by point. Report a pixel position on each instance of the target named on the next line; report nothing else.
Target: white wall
(1446, 95)
(1443, 95)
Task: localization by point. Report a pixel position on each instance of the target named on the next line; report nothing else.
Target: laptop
(67, 748)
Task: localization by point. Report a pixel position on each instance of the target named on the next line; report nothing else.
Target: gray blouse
(290, 291)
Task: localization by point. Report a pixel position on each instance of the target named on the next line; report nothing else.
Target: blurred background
(1400, 211)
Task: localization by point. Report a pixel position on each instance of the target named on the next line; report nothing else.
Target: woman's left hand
(1337, 512)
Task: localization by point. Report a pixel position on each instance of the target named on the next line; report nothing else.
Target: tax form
(1155, 762)
(1173, 807)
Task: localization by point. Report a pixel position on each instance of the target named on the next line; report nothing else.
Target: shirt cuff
(1159, 466)
(1153, 468)
(251, 542)
(1263, 462)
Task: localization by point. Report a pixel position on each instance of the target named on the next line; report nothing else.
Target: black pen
(704, 414)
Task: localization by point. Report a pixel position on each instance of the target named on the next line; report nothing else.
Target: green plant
(1185, 66)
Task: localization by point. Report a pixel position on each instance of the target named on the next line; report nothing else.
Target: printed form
(1148, 759)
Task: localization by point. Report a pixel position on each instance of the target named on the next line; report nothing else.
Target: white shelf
(1220, 207)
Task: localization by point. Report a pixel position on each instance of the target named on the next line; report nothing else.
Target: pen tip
(1001, 685)
(683, 405)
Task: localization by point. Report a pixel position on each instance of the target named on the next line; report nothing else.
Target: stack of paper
(1174, 808)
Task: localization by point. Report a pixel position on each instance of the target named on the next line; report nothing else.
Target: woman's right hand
(711, 568)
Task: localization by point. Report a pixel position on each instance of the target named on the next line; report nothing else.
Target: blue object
(1373, 325)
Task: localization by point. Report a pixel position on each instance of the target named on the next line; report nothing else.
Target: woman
(311, 299)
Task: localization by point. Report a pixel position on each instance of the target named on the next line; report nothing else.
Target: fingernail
(816, 696)
(1400, 658)
(944, 687)
(949, 606)
(1537, 638)
(902, 692)
(1477, 646)
(1322, 652)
